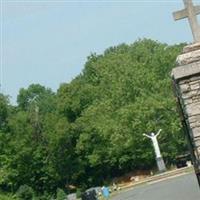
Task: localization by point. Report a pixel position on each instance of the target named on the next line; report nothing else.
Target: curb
(160, 177)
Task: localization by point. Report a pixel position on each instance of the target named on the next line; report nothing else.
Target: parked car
(89, 194)
(97, 190)
(181, 160)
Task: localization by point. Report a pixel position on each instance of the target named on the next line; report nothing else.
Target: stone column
(186, 79)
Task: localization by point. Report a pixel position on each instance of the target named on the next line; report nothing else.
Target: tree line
(90, 130)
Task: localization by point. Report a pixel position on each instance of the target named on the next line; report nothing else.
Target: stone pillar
(186, 79)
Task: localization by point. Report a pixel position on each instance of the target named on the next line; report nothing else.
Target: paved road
(180, 188)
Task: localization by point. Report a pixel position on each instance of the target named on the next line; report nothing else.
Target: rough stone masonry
(186, 78)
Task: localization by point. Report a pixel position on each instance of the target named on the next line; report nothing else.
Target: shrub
(25, 192)
(78, 193)
(60, 194)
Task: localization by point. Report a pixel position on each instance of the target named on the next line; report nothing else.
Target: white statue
(153, 138)
(159, 159)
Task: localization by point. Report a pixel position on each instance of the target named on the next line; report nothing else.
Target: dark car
(90, 194)
(181, 160)
(97, 190)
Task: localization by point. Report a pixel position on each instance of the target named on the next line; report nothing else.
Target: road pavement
(183, 187)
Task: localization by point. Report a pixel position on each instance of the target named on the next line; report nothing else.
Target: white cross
(191, 13)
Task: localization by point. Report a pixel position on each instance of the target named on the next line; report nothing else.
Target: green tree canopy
(91, 129)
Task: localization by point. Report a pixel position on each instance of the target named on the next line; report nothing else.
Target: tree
(91, 129)
(4, 110)
(35, 94)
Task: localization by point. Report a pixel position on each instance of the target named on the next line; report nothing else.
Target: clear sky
(47, 42)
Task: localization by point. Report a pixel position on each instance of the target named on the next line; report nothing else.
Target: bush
(60, 194)
(6, 196)
(78, 193)
(25, 192)
(46, 196)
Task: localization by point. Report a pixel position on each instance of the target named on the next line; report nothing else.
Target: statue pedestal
(186, 79)
(160, 164)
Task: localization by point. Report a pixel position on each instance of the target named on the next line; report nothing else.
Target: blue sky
(47, 42)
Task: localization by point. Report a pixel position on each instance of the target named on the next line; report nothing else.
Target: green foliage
(60, 194)
(91, 130)
(7, 196)
(45, 196)
(25, 193)
(78, 193)
(4, 110)
(35, 94)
